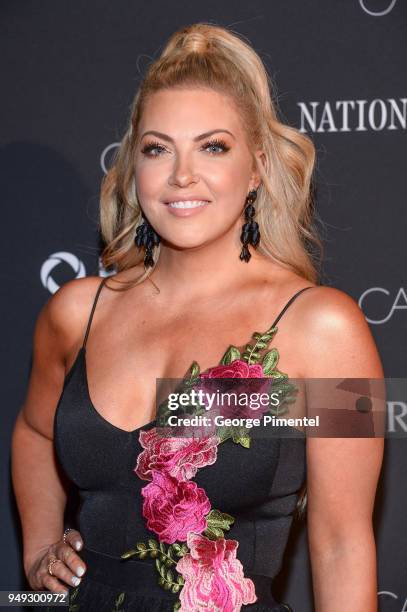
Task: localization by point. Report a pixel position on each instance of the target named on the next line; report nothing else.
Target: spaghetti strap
(290, 301)
(92, 311)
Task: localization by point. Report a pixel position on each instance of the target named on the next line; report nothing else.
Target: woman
(207, 216)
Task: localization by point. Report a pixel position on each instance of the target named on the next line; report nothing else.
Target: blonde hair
(206, 55)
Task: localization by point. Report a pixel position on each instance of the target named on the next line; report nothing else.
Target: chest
(122, 375)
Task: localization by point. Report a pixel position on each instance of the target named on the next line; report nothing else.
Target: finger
(64, 574)
(53, 584)
(74, 538)
(72, 560)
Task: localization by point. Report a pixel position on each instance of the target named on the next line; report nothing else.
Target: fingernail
(80, 571)
(78, 545)
(76, 580)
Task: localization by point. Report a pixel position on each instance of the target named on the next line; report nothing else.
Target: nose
(183, 173)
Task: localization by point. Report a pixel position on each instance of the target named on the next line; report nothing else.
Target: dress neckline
(81, 355)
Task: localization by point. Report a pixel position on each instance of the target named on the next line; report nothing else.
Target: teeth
(188, 204)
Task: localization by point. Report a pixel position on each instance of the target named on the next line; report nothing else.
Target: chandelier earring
(250, 231)
(148, 238)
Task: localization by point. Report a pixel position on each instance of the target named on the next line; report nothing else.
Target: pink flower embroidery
(213, 576)
(240, 369)
(179, 457)
(236, 369)
(173, 508)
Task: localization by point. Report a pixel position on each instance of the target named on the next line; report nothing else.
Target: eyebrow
(196, 139)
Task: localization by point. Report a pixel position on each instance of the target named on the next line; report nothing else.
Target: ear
(255, 177)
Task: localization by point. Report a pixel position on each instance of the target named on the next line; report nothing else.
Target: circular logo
(105, 151)
(54, 260)
(378, 13)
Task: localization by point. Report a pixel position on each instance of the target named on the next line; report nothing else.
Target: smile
(188, 204)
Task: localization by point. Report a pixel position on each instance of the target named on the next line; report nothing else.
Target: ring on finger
(50, 564)
(67, 530)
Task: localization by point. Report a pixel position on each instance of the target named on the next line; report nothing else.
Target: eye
(220, 144)
(149, 147)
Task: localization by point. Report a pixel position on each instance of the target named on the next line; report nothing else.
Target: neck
(205, 270)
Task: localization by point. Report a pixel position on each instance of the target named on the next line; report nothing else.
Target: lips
(187, 200)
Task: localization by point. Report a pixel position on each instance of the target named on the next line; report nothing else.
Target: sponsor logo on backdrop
(109, 149)
(78, 268)
(388, 596)
(55, 260)
(391, 303)
(387, 7)
(353, 115)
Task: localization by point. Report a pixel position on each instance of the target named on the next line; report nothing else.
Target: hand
(67, 570)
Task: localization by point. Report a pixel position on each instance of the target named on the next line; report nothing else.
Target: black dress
(257, 486)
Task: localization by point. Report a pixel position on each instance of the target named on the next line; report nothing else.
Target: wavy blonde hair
(210, 56)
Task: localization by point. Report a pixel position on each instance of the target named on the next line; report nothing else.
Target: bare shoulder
(333, 336)
(67, 310)
(330, 307)
(58, 332)
(74, 295)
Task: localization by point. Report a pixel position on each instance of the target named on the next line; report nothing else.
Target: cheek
(229, 186)
(150, 182)
(228, 189)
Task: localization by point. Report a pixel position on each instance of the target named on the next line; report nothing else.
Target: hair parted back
(211, 56)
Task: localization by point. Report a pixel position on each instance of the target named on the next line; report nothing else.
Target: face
(194, 173)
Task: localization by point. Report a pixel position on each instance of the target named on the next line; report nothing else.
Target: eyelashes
(215, 142)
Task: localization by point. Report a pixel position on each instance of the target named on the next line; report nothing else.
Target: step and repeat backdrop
(69, 73)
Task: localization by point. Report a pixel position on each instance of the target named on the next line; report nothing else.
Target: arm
(342, 473)
(39, 485)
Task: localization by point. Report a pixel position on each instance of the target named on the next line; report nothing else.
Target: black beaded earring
(250, 230)
(147, 237)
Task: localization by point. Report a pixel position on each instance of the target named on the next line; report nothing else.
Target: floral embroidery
(199, 563)
(213, 576)
(174, 507)
(236, 369)
(178, 457)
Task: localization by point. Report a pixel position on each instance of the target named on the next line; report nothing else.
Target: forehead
(186, 112)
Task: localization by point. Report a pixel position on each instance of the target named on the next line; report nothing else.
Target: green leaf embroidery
(72, 596)
(270, 361)
(118, 602)
(276, 374)
(218, 522)
(178, 549)
(156, 550)
(194, 371)
(231, 354)
(184, 385)
(239, 435)
(251, 353)
(286, 392)
(244, 440)
(167, 578)
(224, 433)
